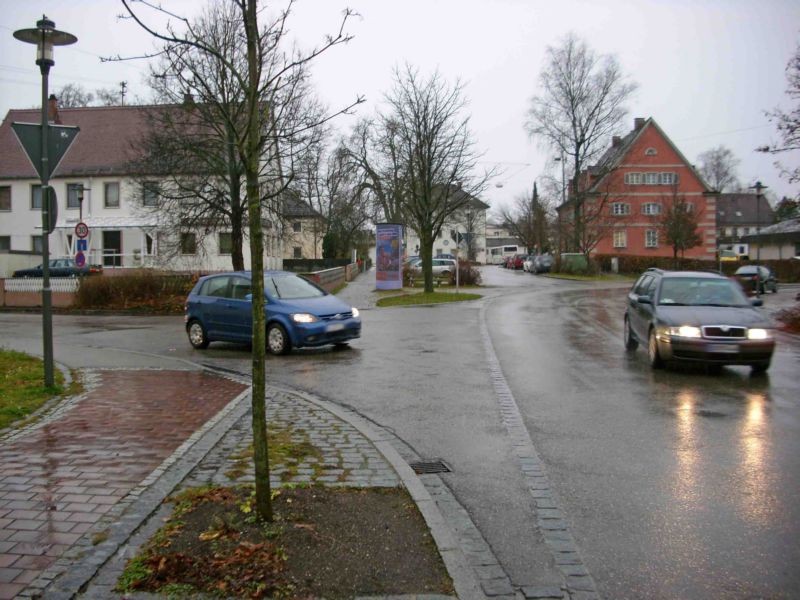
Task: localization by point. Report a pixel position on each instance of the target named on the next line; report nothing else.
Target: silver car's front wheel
(656, 362)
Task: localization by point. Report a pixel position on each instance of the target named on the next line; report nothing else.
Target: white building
(467, 225)
(121, 208)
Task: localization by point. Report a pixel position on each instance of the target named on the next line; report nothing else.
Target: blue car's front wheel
(197, 335)
(277, 339)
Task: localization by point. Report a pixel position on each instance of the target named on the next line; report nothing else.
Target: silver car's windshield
(290, 287)
(686, 291)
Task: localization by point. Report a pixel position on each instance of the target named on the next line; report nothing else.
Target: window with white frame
(36, 197)
(74, 192)
(688, 207)
(651, 238)
(620, 239)
(297, 252)
(5, 197)
(650, 152)
(225, 242)
(669, 178)
(297, 226)
(620, 208)
(111, 194)
(633, 178)
(36, 244)
(150, 194)
(5, 243)
(651, 208)
(652, 178)
(188, 243)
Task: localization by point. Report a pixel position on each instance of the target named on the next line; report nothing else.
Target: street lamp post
(563, 194)
(758, 188)
(45, 36)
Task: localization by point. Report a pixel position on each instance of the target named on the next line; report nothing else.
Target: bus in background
(498, 254)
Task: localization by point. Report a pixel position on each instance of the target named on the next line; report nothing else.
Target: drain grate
(424, 467)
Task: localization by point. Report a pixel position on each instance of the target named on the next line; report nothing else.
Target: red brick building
(639, 178)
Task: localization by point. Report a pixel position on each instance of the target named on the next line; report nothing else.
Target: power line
(708, 135)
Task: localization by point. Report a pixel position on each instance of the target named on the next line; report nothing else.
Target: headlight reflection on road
(686, 448)
(757, 502)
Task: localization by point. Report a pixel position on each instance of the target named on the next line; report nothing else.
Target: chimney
(188, 99)
(52, 110)
(638, 123)
(616, 141)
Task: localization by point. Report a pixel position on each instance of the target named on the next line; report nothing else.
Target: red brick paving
(60, 479)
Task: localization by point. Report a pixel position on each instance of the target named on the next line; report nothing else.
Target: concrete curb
(467, 587)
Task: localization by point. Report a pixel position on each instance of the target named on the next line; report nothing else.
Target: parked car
(441, 266)
(527, 264)
(542, 264)
(697, 317)
(517, 261)
(60, 267)
(298, 313)
(756, 279)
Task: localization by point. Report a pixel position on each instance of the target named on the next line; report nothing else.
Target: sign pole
(45, 36)
(47, 303)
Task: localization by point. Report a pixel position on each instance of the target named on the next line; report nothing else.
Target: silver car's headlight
(686, 331)
(304, 318)
(356, 313)
(758, 334)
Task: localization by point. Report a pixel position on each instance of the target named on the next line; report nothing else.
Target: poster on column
(388, 256)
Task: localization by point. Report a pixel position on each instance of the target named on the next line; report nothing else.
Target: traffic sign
(58, 141)
(80, 259)
(81, 230)
(49, 200)
(81, 245)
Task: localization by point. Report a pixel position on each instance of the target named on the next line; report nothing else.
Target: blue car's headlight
(355, 312)
(304, 318)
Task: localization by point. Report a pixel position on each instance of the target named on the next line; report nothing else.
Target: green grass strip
(22, 389)
(423, 298)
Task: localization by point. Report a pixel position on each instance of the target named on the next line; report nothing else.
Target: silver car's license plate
(723, 348)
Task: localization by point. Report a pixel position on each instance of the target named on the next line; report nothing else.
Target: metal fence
(34, 284)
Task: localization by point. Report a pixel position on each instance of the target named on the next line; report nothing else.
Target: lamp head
(45, 36)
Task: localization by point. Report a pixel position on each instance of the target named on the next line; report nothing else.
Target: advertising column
(388, 256)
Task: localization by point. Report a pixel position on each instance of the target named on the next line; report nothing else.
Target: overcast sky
(707, 69)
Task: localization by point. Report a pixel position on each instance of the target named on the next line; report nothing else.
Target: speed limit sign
(81, 230)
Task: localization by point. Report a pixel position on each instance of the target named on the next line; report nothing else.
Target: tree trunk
(237, 221)
(426, 254)
(252, 159)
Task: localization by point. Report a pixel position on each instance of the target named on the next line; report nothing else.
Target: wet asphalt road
(676, 484)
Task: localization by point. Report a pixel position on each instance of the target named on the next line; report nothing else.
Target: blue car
(298, 313)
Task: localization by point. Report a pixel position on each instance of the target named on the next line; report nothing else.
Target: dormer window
(650, 152)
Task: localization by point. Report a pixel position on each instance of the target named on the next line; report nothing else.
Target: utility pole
(123, 86)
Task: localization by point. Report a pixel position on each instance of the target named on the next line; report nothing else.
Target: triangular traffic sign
(59, 139)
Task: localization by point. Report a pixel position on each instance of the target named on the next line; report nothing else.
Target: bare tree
(718, 168)
(73, 95)
(260, 68)
(425, 144)
(788, 123)
(679, 224)
(374, 149)
(580, 107)
(527, 221)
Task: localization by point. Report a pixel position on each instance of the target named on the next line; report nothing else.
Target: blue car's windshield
(290, 287)
(686, 291)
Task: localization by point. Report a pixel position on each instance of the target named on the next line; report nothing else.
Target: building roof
(742, 209)
(785, 230)
(104, 145)
(619, 150)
